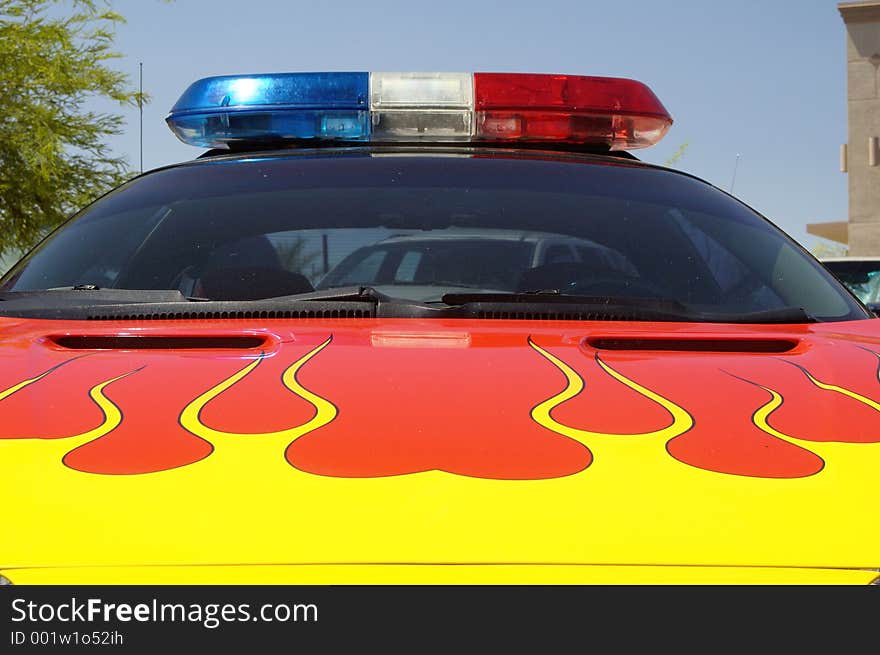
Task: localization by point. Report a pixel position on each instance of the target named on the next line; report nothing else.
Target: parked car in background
(417, 265)
(861, 275)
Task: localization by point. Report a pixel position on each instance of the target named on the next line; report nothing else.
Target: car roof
(849, 259)
(449, 234)
(520, 151)
(523, 152)
(439, 148)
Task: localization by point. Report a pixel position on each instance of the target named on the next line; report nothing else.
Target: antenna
(141, 110)
(733, 179)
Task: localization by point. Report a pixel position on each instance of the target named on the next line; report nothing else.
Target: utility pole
(141, 109)
(733, 179)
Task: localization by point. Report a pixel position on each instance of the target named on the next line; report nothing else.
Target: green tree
(678, 154)
(293, 256)
(53, 152)
(828, 249)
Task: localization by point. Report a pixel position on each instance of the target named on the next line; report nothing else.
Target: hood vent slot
(555, 316)
(694, 345)
(230, 314)
(114, 342)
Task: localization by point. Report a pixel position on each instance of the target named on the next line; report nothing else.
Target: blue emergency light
(217, 111)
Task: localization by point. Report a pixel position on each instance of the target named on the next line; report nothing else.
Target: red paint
(459, 410)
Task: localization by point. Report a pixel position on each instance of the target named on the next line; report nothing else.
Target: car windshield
(420, 225)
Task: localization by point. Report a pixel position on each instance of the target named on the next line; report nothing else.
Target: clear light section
(421, 125)
(219, 111)
(427, 340)
(422, 106)
(421, 90)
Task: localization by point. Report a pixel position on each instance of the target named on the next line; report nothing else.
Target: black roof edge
(275, 146)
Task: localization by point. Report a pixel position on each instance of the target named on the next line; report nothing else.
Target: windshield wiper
(615, 308)
(110, 304)
(382, 304)
(80, 303)
(553, 297)
(89, 294)
(340, 294)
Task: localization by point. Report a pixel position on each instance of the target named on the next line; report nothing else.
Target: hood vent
(702, 345)
(159, 342)
(556, 316)
(230, 314)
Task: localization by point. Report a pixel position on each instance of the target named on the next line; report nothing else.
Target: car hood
(438, 442)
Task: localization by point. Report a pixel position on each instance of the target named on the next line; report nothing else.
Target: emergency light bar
(616, 113)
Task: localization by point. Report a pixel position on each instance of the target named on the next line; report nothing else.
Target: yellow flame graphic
(24, 383)
(325, 411)
(841, 390)
(681, 420)
(840, 453)
(761, 417)
(59, 447)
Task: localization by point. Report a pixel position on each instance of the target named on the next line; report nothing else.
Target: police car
(218, 372)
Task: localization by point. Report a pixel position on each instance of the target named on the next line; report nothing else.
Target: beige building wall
(862, 153)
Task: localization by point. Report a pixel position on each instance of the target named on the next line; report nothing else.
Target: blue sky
(764, 79)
